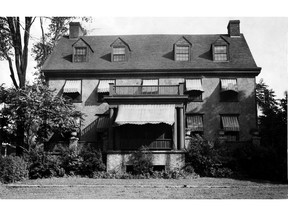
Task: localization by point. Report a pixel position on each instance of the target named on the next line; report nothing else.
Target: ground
(200, 188)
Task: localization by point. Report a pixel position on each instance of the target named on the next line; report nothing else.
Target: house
(155, 90)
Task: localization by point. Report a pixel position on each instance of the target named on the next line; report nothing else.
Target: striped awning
(195, 122)
(193, 85)
(102, 123)
(72, 86)
(145, 114)
(230, 123)
(229, 85)
(103, 86)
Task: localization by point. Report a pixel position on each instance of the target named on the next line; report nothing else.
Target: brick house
(156, 90)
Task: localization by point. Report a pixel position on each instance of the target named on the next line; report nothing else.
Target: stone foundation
(117, 161)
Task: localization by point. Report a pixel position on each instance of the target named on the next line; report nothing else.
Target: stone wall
(117, 161)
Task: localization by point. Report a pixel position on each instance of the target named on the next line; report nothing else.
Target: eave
(143, 72)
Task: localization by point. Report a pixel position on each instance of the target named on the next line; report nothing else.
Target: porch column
(175, 131)
(111, 131)
(181, 128)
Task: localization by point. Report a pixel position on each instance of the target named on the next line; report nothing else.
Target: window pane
(182, 57)
(220, 57)
(80, 51)
(182, 49)
(119, 50)
(220, 49)
(118, 58)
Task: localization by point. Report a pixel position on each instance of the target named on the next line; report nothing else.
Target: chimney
(234, 28)
(75, 30)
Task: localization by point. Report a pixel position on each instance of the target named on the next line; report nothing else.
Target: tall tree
(14, 48)
(57, 28)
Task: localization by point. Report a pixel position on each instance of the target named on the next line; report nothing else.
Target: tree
(13, 46)
(57, 28)
(43, 113)
(273, 123)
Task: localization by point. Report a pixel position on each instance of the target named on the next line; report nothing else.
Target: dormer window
(120, 51)
(182, 50)
(181, 53)
(80, 54)
(119, 54)
(220, 53)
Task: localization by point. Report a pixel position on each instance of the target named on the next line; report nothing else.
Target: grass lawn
(85, 188)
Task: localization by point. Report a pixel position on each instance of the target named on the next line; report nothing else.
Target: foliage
(57, 28)
(12, 169)
(85, 163)
(273, 123)
(141, 161)
(38, 112)
(203, 157)
(259, 162)
(92, 161)
(42, 165)
(71, 162)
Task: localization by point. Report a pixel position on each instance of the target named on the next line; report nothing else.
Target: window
(231, 127)
(181, 53)
(193, 88)
(195, 96)
(72, 90)
(220, 53)
(103, 89)
(80, 54)
(229, 90)
(119, 54)
(194, 125)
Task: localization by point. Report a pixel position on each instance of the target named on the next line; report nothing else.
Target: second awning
(72, 86)
(230, 123)
(145, 114)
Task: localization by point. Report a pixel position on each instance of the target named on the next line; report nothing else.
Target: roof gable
(221, 41)
(183, 41)
(120, 42)
(81, 42)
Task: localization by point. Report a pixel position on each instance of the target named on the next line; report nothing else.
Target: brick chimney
(75, 30)
(234, 28)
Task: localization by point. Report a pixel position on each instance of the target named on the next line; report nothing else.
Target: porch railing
(146, 90)
(134, 144)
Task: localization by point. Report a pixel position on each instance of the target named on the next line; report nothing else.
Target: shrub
(71, 162)
(13, 168)
(202, 156)
(42, 165)
(92, 162)
(141, 161)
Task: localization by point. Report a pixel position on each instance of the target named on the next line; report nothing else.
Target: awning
(152, 86)
(103, 86)
(195, 122)
(72, 86)
(229, 85)
(145, 114)
(193, 84)
(230, 123)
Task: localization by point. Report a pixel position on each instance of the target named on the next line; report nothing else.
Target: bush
(12, 169)
(141, 161)
(88, 161)
(92, 162)
(203, 157)
(42, 165)
(71, 162)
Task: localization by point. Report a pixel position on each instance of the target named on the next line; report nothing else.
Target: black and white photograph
(116, 107)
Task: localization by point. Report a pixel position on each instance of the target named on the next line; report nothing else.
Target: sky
(267, 38)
